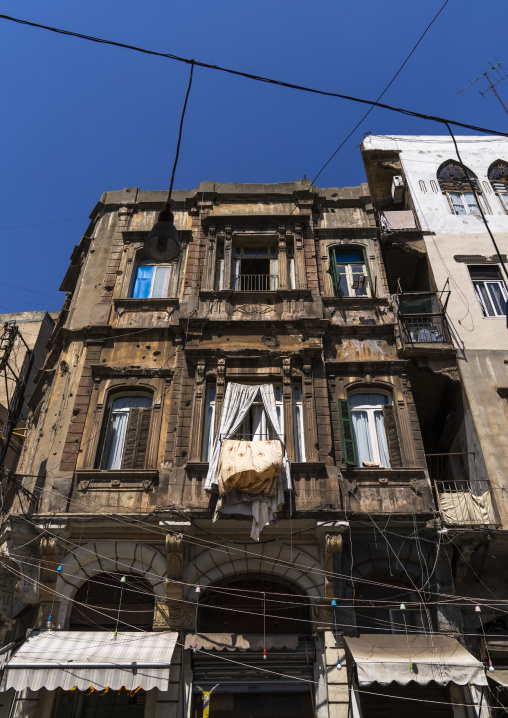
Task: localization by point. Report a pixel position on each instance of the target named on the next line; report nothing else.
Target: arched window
(97, 601)
(151, 280)
(348, 268)
(127, 427)
(236, 605)
(369, 430)
(498, 177)
(377, 607)
(455, 184)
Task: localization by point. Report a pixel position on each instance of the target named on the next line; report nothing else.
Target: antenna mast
(492, 84)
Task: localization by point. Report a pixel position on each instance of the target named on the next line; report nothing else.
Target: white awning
(420, 658)
(500, 676)
(68, 659)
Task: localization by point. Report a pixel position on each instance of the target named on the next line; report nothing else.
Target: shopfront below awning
(79, 659)
(420, 658)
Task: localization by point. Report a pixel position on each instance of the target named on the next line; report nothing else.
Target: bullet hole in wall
(156, 354)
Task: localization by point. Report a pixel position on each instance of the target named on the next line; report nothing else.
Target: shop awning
(68, 659)
(500, 676)
(420, 658)
(240, 642)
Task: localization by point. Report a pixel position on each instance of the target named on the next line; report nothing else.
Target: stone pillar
(282, 259)
(287, 395)
(197, 423)
(336, 680)
(173, 613)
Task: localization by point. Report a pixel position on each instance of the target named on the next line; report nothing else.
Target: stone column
(173, 613)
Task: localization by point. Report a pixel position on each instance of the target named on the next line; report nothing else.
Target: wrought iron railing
(424, 329)
(462, 497)
(255, 283)
(261, 436)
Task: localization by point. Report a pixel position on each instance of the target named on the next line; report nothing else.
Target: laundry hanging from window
(260, 494)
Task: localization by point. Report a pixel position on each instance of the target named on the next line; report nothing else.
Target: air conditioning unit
(398, 189)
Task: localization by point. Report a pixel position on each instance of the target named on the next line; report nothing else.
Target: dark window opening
(97, 601)
(236, 606)
(378, 608)
(112, 704)
(295, 704)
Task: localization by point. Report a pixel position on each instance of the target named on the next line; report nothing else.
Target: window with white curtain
(455, 182)
(127, 427)
(151, 281)
(209, 421)
(256, 426)
(369, 428)
(299, 437)
(490, 289)
(498, 176)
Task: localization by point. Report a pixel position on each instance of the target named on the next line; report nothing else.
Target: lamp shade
(163, 243)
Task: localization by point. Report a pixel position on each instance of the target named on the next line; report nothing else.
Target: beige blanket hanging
(250, 466)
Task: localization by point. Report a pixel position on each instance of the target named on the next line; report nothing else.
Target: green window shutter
(136, 438)
(348, 439)
(334, 273)
(392, 436)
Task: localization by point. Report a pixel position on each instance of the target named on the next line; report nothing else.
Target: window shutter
(100, 458)
(334, 273)
(348, 439)
(136, 439)
(392, 436)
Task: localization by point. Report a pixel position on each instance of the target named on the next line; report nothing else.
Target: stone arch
(277, 559)
(104, 556)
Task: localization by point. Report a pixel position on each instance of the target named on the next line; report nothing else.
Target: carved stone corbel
(174, 613)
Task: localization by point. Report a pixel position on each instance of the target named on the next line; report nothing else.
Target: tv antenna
(492, 87)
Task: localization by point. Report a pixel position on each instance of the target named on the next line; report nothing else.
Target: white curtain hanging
(382, 443)
(237, 402)
(268, 397)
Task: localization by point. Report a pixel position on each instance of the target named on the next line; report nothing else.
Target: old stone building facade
(277, 331)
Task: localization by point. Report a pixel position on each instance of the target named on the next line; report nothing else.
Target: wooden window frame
(335, 277)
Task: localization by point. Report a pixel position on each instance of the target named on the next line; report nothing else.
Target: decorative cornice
(108, 371)
(367, 366)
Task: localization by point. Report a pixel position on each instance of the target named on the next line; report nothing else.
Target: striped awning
(383, 658)
(81, 659)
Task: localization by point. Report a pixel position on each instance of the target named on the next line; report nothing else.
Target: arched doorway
(96, 603)
(265, 612)
(254, 604)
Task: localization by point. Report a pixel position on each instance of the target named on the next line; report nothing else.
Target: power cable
(266, 559)
(384, 91)
(478, 202)
(258, 78)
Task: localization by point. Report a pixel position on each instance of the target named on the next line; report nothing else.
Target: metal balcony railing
(261, 436)
(462, 498)
(255, 283)
(424, 329)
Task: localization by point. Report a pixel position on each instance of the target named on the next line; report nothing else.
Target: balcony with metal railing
(463, 497)
(255, 283)
(422, 323)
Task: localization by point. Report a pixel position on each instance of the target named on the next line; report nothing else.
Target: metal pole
(206, 700)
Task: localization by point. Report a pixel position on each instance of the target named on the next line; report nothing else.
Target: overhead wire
(384, 91)
(266, 559)
(250, 76)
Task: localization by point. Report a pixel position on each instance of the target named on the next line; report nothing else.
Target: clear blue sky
(79, 118)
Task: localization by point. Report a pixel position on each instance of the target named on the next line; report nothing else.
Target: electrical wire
(277, 562)
(384, 91)
(249, 76)
(250, 667)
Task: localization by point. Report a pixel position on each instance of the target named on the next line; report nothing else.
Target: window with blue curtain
(152, 281)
